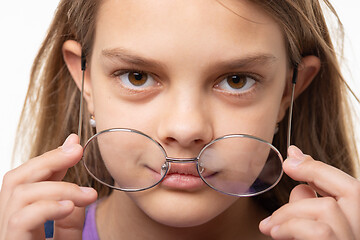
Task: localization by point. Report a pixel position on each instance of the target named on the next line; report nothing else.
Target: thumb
(302, 191)
(71, 227)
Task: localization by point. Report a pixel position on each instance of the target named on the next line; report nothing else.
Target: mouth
(184, 176)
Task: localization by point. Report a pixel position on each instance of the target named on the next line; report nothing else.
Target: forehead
(192, 30)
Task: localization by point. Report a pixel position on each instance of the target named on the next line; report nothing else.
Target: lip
(182, 181)
(183, 176)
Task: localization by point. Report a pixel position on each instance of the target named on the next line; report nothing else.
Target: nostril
(170, 140)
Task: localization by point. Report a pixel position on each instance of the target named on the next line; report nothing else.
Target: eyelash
(120, 72)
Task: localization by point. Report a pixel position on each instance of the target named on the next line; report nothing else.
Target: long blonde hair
(322, 125)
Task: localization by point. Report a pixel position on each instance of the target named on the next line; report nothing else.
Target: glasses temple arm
(83, 68)
(294, 78)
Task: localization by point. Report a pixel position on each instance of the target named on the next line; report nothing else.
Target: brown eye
(236, 81)
(137, 78)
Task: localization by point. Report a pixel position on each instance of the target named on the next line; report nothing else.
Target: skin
(184, 108)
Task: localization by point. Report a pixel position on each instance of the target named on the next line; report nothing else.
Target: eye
(136, 79)
(236, 83)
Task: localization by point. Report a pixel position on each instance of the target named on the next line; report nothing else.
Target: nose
(186, 123)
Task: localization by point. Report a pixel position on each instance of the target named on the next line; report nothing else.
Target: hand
(33, 193)
(335, 215)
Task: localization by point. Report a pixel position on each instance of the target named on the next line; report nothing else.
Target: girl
(184, 73)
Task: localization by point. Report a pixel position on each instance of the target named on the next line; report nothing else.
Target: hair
(322, 124)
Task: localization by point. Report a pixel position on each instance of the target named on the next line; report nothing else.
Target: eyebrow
(126, 56)
(247, 61)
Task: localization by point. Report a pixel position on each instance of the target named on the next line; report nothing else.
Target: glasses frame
(169, 160)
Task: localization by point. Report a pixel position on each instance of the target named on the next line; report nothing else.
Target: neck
(118, 217)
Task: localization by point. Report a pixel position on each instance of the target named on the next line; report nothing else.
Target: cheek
(264, 119)
(114, 112)
(257, 119)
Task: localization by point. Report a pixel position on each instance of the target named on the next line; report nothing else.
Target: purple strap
(90, 231)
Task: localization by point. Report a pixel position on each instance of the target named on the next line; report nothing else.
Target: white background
(23, 25)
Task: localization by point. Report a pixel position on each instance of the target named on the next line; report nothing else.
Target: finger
(300, 192)
(49, 166)
(324, 210)
(303, 229)
(25, 222)
(327, 180)
(29, 193)
(70, 227)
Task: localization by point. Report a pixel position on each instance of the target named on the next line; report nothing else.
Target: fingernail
(67, 146)
(86, 189)
(295, 152)
(266, 221)
(293, 162)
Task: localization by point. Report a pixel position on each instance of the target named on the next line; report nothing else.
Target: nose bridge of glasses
(181, 160)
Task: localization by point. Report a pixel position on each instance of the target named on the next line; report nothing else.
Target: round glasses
(129, 160)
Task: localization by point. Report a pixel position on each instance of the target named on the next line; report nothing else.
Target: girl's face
(185, 72)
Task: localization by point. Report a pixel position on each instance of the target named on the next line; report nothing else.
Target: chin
(177, 220)
(181, 208)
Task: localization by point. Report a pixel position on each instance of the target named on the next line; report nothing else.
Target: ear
(72, 56)
(307, 71)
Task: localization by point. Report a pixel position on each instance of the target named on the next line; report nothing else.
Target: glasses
(129, 160)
